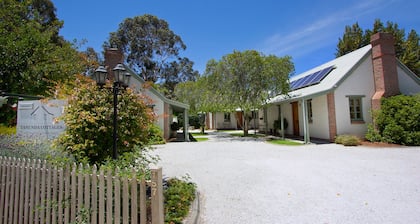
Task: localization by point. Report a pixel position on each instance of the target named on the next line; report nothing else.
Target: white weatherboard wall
(158, 108)
(407, 85)
(273, 114)
(288, 114)
(157, 103)
(220, 121)
(358, 83)
(319, 127)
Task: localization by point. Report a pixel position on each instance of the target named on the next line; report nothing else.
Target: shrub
(398, 121)
(4, 130)
(194, 120)
(179, 196)
(88, 118)
(7, 114)
(175, 126)
(277, 124)
(372, 134)
(31, 148)
(139, 160)
(347, 140)
(155, 136)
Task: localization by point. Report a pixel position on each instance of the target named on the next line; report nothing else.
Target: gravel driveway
(256, 182)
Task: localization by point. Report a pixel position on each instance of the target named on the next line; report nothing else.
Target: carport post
(186, 122)
(306, 136)
(281, 122)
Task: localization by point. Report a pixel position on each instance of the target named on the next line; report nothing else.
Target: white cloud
(321, 32)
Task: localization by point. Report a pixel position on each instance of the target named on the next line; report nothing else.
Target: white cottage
(163, 107)
(230, 120)
(337, 97)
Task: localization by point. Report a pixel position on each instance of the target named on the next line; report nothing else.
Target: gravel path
(257, 182)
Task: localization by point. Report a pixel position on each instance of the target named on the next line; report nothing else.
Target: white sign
(40, 119)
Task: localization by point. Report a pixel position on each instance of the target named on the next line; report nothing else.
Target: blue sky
(308, 31)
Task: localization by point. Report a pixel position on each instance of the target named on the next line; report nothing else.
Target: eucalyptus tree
(245, 80)
(153, 51)
(407, 49)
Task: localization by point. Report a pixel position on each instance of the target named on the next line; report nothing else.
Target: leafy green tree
(411, 55)
(407, 49)
(244, 80)
(194, 93)
(33, 56)
(91, 57)
(353, 38)
(189, 92)
(88, 119)
(153, 51)
(176, 73)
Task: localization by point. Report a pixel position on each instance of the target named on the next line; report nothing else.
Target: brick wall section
(113, 56)
(332, 122)
(384, 67)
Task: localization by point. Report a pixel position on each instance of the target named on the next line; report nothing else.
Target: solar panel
(311, 79)
(295, 84)
(307, 80)
(314, 75)
(324, 72)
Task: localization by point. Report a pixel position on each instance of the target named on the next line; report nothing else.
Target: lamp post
(121, 81)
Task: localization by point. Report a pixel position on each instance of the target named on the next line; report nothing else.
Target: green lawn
(284, 142)
(237, 133)
(198, 134)
(201, 139)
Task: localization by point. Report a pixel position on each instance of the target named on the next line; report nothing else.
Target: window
(355, 106)
(254, 114)
(227, 117)
(309, 106)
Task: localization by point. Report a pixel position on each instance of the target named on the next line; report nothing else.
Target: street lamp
(121, 81)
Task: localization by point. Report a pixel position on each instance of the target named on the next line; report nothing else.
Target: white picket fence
(35, 192)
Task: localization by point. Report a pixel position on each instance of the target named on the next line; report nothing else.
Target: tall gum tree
(153, 51)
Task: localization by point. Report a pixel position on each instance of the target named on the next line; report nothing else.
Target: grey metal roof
(175, 104)
(343, 66)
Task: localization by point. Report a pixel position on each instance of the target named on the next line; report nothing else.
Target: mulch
(380, 144)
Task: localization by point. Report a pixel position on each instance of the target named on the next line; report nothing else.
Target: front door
(295, 112)
(239, 120)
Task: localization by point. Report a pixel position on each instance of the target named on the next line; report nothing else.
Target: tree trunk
(245, 124)
(202, 118)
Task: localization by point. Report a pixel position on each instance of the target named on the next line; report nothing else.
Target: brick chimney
(384, 68)
(113, 56)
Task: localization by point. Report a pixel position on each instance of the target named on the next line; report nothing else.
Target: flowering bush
(31, 147)
(89, 121)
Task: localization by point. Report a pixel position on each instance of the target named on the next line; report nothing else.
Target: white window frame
(356, 108)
